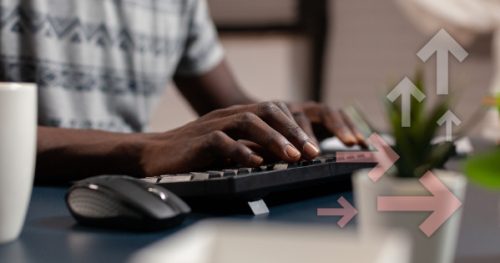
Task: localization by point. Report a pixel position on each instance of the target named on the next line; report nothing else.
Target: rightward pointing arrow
(443, 204)
(348, 212)
(442, 44)
(449, 118)
(406, 89)
(384, 156)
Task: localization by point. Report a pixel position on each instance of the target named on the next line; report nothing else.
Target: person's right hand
(228, 134)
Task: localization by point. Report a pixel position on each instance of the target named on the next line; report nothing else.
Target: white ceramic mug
(18, 126)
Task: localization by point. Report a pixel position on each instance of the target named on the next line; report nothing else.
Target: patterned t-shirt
(102, 64)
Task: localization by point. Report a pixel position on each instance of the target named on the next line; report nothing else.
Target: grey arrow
(449, 118)
(442, 44)
(406, 89)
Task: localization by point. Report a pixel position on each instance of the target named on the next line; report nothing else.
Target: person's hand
(320, 121)
(230, 134)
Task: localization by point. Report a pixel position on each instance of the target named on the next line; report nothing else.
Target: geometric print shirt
(103, 64)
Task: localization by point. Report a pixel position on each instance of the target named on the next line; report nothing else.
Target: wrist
(128, 154)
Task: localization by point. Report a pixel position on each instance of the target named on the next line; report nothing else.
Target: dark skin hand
(219, 89)
(226, 134)
(233, 128)
(320, 122)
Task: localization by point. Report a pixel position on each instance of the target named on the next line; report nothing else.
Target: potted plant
(417, 156)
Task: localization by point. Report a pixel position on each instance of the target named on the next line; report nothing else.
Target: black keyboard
(255, 183)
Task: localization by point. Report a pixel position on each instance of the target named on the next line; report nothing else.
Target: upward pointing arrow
(442, 44)
(449, 118)
(406, 89)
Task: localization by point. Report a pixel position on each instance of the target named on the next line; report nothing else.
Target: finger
(281, 121)
(252, 145)
(300, 119)
(361, 140)
(304, 122)
(223, 145)
(261, 151)
(284, 108)
(313, 111)
(334, 122)
(250, 127)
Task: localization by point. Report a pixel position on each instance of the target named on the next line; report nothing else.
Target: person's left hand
(320, 121)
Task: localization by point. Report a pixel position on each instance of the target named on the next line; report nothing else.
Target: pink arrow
(385, 157)
(442, 203)
(348, 212)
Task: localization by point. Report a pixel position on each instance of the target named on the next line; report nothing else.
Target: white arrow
(442, 44)
(449, 118)
(406, 89)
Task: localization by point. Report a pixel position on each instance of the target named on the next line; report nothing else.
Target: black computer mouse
(123, 202)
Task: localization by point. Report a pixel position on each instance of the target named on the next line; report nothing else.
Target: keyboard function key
(330, 160)
(305, 163)
(316, 161)
(200, 176)
(244, 171)
(152, 180)
(261, 168)
(175, 178)
(230, 172)
(215, 174)
(280, 166)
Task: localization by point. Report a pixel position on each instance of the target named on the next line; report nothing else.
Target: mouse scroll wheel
(159, 193)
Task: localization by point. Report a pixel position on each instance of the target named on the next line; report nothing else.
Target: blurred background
(340, 52)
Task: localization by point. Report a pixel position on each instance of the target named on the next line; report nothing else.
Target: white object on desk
(243, 242)
(334, 144)
(18, 120)
(463, 145)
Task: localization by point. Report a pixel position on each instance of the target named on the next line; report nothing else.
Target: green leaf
(484, 169)
(414, 144)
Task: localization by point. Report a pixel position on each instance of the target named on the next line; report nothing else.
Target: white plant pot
(439, 247)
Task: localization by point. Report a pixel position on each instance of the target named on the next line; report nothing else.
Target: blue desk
(51, 234)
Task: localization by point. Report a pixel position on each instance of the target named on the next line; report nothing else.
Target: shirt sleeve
(202, 50)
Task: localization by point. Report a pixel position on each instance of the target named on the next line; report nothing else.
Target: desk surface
(51, 234)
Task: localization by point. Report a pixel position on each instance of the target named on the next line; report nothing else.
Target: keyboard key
(152, 180)
(244, 171)
(230, 172)
(316, 161)
(305, 163)
(175, 178)
(330, 160)
(200, 176)
(261, 168)
(280, 166)
(215, 174)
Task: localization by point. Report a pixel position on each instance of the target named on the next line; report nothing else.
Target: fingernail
(311, 149)
(351, 139)
(360, 136)
(255, 159)
(292, 152)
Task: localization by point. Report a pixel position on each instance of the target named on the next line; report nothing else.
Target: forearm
(216, 89)
(66, 154)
